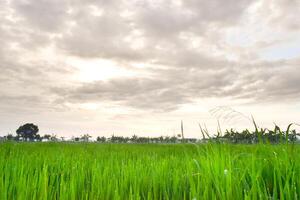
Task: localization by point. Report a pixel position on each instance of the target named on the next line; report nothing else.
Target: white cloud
(143, 58)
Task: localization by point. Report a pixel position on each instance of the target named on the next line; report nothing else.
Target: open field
(148, 171)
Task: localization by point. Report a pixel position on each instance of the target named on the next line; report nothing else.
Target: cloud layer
(180, 52)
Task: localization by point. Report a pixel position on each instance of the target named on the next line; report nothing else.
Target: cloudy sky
(139, 67)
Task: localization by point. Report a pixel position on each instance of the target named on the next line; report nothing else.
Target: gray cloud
(185, 46)
(168, 89)
(42, 15)
(157, 25)
(286, 15)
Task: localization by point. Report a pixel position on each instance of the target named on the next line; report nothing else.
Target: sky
(120, 67)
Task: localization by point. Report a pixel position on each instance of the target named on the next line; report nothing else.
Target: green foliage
(148, 171)
(259, 135)
(28, 132)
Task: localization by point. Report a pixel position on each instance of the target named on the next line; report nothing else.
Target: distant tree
(101, 139)
(134, 138)
(127, 139)
(53, 137)
(38, 138)
(9, 137)
(161, 139)
(142, 140)
(28, 132)
(114, 139)
(85, 137)
(167, 139)
(47, 137)
(173, 139)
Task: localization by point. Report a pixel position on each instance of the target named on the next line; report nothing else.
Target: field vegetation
(35, 170)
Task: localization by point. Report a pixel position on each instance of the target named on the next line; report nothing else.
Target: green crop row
(148, 171)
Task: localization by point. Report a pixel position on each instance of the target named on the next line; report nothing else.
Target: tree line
(29, 132)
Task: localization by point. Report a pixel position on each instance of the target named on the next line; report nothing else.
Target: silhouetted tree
(38, 138)
(85, 137)
(47, 136)
(28, 132)
(9, 137)
(134, 138)
(161, 139)
(173, 139)
(101, 139)
(53, 137)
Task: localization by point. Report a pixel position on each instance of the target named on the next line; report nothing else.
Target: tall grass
(149, 171)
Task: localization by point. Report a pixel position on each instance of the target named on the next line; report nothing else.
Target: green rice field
(148, 171)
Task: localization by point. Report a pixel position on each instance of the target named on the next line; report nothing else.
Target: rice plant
(148, 171)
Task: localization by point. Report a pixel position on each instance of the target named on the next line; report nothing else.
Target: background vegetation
(29, 132)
